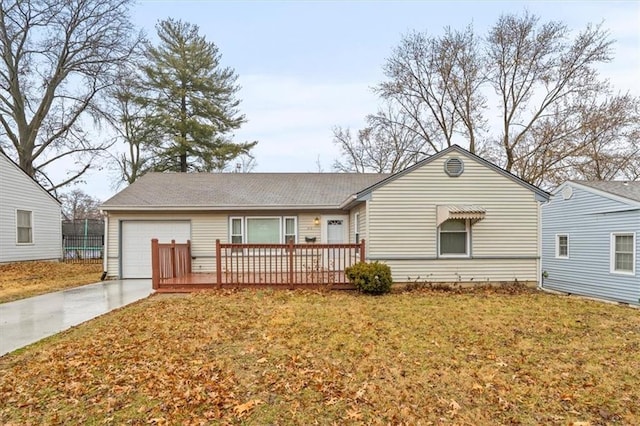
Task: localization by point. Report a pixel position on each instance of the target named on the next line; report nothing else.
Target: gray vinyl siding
(19, 192)
(403, 227)
(589, 219)
(206, 227)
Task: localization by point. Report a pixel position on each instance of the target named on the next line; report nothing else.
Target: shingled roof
(630, 190)
(225, 191)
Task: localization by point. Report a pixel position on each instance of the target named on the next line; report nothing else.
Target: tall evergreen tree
(192, 101)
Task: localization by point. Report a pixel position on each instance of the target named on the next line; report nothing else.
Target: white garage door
(136, 243)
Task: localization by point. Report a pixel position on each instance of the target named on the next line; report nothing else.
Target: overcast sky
(305, 66)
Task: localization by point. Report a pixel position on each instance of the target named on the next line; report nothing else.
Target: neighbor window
(562, 245)
(24, 227)
(454, 238)
(623, 253)
(263, 230)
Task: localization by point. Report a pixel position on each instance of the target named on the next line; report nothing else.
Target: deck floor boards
(207, 281)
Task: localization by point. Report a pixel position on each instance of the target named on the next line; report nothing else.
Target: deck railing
(274, 265)
(285, 264)
(172, 260)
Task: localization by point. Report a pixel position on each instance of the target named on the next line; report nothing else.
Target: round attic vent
(567, 192)
(454, 166)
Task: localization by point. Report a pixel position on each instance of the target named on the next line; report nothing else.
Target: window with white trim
(263, 230)
(24, 226)
(453, 238)
(236, 230)
(290, 230)
(562, 246)
(623, 253)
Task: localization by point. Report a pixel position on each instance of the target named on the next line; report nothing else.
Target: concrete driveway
(28, 320)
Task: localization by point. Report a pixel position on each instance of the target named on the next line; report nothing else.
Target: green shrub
(370, 278)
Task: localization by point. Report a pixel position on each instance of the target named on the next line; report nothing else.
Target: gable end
(20, 170)
(541, 195)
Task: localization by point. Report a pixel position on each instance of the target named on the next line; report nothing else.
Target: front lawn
(279, 357)
(25, 279)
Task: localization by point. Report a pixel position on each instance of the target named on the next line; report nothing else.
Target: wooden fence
(169, 261)
(271, 265)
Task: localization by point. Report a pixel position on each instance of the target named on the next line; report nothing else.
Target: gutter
(348, 202)
(219, 208)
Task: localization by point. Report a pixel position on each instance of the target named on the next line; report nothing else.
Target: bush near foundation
(370, 278)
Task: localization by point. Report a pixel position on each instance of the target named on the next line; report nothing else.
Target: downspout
(368, 240)
(540, 274)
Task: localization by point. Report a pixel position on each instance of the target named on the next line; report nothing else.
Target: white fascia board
(217, 208)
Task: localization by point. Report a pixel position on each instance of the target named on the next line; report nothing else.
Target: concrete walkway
(28, 320)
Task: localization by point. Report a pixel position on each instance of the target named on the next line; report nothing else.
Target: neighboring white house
(30, 217)
(590, 240)
(453, 217)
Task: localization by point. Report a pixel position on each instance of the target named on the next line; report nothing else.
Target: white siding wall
(20, 192)
(403, 229)
(206, 227)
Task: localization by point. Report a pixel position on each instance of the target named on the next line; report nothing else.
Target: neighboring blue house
(590, 240)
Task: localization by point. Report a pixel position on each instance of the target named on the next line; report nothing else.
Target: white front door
(335, 229)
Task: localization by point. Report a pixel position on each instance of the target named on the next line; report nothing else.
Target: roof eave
(349, 202)
(21, 170)
(598, 191)
(310, 207)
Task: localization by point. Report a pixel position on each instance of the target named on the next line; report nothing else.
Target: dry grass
(269, 357)
(24, 279)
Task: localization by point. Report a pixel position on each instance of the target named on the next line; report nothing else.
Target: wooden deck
(278, 266)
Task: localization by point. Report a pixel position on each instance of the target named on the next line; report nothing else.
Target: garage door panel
(136, 243)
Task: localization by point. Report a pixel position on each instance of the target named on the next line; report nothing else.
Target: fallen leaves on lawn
(23, 279)
(280, 357)
(243, 409)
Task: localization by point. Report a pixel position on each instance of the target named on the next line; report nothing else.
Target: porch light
(316, 221)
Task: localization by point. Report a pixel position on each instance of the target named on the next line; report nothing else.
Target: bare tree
(319, 168)
(129, 118)
(608, 139)
(541, 76)
(76, 204)
(557, 118)
(57, 57)
(388, 144)
(436, 82)
(244, 163)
